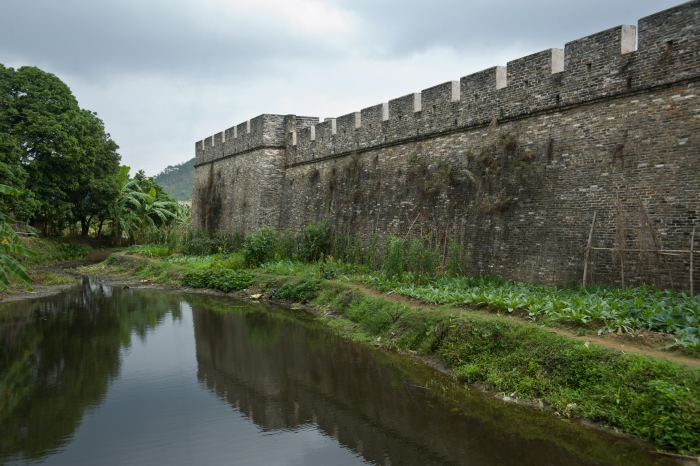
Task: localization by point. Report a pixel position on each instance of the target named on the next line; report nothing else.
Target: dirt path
(625, 343)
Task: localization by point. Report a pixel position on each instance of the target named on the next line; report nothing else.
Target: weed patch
(220, 279)
(302, 291)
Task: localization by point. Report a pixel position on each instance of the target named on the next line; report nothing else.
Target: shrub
(288, 244)
(347, 248)
(421, 260)
(199, 245)
(371, 260)
(220, 242)
(454, 265)
(230, 280)
(149, 250)
(302, 291)
(315, 241)
(237, 240)
(197, 279)
(261, 246)
(394, 258)
(69, 251)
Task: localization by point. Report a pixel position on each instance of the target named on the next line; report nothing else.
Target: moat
(102, 374)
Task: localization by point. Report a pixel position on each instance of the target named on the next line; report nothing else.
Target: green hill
(178, 180)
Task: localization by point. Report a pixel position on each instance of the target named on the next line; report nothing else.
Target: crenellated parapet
(600, 66)
(264, 131)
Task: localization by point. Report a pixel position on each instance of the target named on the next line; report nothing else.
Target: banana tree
(149, 209)
(125, 207)
(11, 243)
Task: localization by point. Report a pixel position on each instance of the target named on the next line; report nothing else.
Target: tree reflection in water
(58, 357)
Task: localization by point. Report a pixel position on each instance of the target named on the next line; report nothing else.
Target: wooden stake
(668, 252)
(675, 455)
(620, 237)
(411, 227)
(588, 249)
(622, 271)
(692, 242)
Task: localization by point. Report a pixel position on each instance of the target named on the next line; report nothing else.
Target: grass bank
(53, 257)
(649, 398)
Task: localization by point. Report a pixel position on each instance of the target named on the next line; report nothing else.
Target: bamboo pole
(660, 251)
(692, 242)
(620, 238)
(586, 256)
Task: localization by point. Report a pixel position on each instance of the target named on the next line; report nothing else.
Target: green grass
(603, 309)
(149, 250)
(325, 270)
(52, 250)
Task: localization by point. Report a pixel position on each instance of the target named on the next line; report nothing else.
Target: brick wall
(511, 162)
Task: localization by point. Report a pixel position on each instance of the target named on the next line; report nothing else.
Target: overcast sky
(165, 74)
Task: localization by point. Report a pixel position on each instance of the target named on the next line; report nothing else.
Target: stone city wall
(511, 162)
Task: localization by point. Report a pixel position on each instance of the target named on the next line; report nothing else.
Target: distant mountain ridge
(178, 180)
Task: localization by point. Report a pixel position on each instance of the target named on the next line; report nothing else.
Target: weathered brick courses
(511, 162)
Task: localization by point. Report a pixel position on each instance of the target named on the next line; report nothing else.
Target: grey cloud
(95, 38)
(404, 27)
(164, 73)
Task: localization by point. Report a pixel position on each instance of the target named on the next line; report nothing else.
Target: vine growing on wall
(498, 171)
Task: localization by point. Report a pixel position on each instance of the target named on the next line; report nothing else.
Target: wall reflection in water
(283, 374)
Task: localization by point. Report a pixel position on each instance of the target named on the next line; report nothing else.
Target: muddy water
(102, 375)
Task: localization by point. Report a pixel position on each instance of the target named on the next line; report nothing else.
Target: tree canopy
(58, 154)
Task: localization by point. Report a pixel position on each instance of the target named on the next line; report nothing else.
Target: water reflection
(245, 384)
(284, 374)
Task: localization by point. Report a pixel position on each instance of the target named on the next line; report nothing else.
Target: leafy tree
(12, 172)
(148, 182)
(142, 204)
(64, 150)
(98, 186)
(10, 243)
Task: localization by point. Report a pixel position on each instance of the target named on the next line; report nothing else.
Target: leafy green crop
(614, 309)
